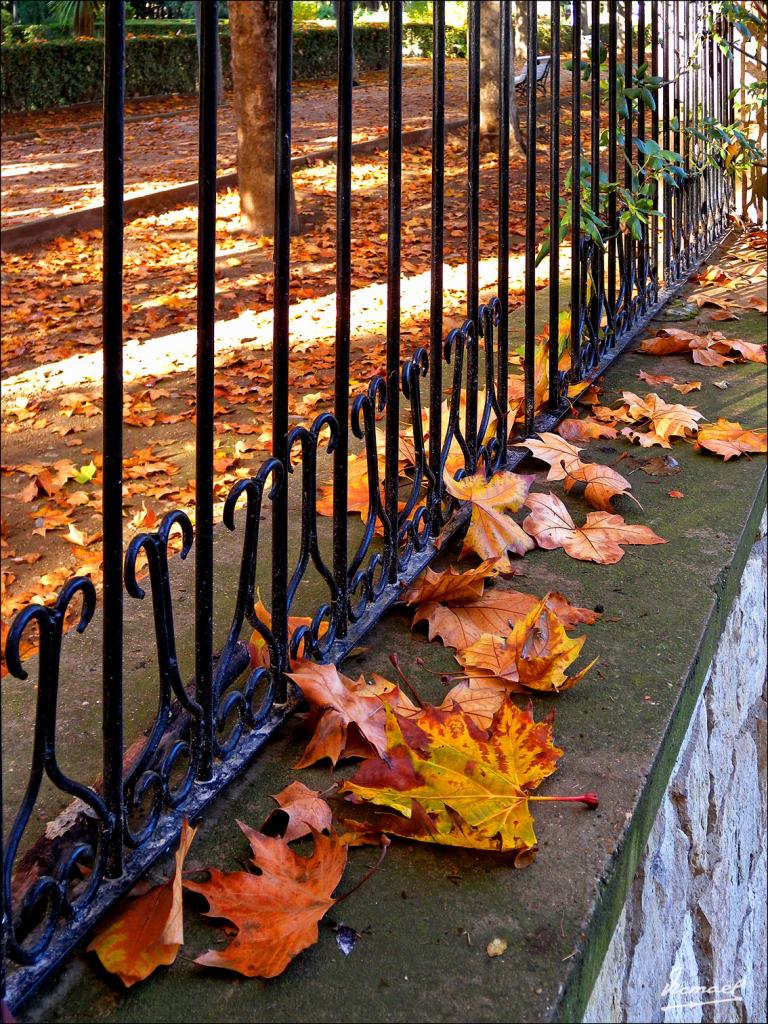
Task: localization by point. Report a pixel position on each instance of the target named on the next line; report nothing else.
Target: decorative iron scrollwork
(49, 898)
(149, 778)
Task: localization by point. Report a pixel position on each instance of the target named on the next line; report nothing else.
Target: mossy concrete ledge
(681, 656)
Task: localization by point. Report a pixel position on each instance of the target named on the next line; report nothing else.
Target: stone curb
(34, 232)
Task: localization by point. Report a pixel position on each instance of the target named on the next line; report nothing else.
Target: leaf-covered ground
(59, 168)
(51, 359)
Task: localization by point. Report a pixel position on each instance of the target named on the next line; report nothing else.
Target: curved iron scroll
(308, 638)
(49, 897)
(237, 701)
(150, 776)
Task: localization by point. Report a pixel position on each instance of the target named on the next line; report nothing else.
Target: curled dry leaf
(450, 584)
(492, 533)
(474, 785)
(712, 349)
(558, 453)
(598, 540)
(460, 624)
(730, 439)
(350, 721)
(586, 429)
(533, 657)
(148, 930)
(667, 420)
(306, 811)
(601, 483)
(687, 386)
(276, 912)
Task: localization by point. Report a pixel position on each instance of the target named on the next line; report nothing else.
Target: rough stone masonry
(690, 944)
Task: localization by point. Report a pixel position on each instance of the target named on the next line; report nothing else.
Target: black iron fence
(645, 217)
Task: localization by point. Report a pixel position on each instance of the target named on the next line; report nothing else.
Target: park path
(59, 170)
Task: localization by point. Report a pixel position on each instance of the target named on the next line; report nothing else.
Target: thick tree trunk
(490, 46)
(520, 33)
(253, 31)
(489, 73)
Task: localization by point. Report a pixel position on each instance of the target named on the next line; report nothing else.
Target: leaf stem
(590, 799)
(414, 692)
(385, 841)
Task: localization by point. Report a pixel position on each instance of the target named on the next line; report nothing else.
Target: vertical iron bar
(554, 212)
(686, 137)
(594, 138)
(654, 222)
(678, 194)
(530, 226)
(576, 196)
(436, 264)
(629, 245)
(696, 142)
(502, 429)
(473, 224)
(343, 289)
(281, 328)
(612, 167)
(642, 246)
(112, 431)
(206, 316)
(665, 144)
(394, 217)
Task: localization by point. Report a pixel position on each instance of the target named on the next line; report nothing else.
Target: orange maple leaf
(533, 656)
(598, 540)
(587, 429)
(350, 723)
(730, 439)
(601, 483)
(491, 532)
(305, 809)
(474, 784)
(276, 912)
(148, 930)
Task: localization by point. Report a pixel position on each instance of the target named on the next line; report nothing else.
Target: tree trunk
(253, 31)
(516, 136)
(490, 46)
(520, 33)
(219, 71)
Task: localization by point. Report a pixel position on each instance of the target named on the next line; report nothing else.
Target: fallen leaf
(483, 777)
(687, 387)
(655, 380)
(660, 465)
(276, 912)
(350, 722)
(676, 494)
(533, 657)
(598, 540)
(450, 584)
(586, 429)
(558, 453)
(496, 947)
(753, 302)
(667, 420)
(723, 314)
(148, 930)
(460, 624)
(491, 532)
(306, 810)
(730, 439)
(601, 483)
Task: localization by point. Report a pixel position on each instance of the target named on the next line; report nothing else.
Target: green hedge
(45, 75)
